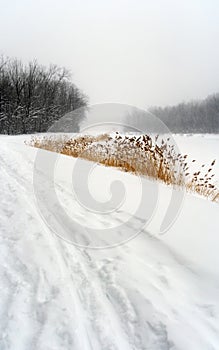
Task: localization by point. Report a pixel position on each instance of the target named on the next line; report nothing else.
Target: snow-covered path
(146, 294)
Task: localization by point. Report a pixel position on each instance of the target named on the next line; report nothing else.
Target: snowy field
(140, 291)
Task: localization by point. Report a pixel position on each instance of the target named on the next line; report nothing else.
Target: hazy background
(144, 52)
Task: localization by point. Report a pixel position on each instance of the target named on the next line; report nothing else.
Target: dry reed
(156, 159)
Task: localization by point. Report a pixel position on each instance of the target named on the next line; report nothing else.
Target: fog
(140, 53)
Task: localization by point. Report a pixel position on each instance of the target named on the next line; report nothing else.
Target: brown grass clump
(202, 184)
(53, 143)
(141, 155)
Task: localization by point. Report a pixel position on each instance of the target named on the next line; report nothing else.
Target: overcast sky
(139, 52)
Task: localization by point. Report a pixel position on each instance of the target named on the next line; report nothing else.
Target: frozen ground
(154, 292)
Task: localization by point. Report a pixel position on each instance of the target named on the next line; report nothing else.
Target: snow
(142, 290)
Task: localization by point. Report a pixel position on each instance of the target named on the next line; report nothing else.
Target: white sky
(142, 52)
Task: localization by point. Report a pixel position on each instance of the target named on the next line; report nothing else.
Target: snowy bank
(156, 291)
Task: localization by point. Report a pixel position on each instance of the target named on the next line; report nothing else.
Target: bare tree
(192, 117)
(32, 96)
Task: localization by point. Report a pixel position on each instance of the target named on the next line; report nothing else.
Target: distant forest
(200, 116)
(196, 117)
(33, 97)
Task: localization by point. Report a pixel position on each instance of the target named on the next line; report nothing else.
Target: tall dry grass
(156, 159)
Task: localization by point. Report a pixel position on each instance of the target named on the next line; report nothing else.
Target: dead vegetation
(155, 158)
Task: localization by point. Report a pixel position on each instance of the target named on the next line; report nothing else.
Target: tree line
(33, 97)
(193, 117)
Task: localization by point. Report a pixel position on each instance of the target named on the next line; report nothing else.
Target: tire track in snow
(93, 300)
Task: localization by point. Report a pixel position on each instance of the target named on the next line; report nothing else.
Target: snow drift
(151, 292)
